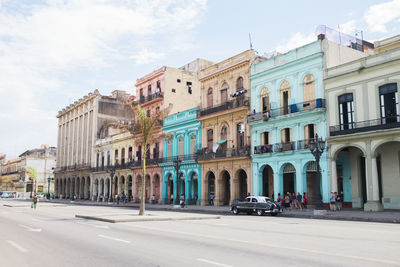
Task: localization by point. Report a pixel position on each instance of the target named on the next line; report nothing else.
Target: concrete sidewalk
(388, 216)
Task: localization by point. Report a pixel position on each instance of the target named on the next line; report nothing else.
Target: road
(52, 236)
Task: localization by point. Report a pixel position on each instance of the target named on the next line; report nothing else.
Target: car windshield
(264, 199)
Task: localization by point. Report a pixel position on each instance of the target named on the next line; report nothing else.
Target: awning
(238, 93)
(220, 142)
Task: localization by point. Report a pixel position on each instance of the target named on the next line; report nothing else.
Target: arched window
(210, 97)
(130, 154)
(285, 95)
(239, 83)
(224, 93)
(240, 135)
(346, 111)
(169, 145)
(116, 157)
(193, 144)
(180, 146)
(264, 100)
(123, 156)
(389, 103)
(224, 136)
(308, 89)
(210, 139)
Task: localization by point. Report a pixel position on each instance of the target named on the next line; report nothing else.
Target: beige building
(79, 125)
(364, 128)
(225, 104)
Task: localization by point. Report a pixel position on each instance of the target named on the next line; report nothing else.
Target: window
(286, 138)
(180, 146)
(116, 156)
(157, 109)
(178, 80)
(239, 83)
(193, 144)
(285, 94)
(148, 151)
(130, 154)
(169, 145)
(97, 159)
(141, 92)
(123, 156)
(149, 90)
(139, 153)
(173, 90)
(156, 151)
(309, 131)
(210, 139)
(108, 158)
(210, 97)
(148, 113)
(389, 102)
(158, 86)
(240, 135)
(224, 136)
(264, 98)
(308, 89)
(102, 159)
(189, 86)
(265, 138)
(346, 111)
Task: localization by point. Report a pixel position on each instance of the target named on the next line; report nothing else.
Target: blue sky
(54, 52)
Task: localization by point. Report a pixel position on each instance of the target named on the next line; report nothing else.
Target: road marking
(19, 211)
(94, 225)
(269, 245)
(37, 220)
(30, 229)
(221, 224)
(116, 239)
(15, 245)
(214, 262)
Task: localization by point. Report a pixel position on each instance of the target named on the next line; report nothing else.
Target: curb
(142, 219)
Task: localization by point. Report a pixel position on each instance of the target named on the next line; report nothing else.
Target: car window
(248, 199)
(253, 200)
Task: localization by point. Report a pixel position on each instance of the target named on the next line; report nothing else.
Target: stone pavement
(387, 216)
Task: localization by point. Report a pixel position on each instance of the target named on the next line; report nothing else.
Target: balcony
(205, 154)
(143, 99)
(238, 102)
(365, 126)
(188, 157)
(282, 147)
(290, 109)
(73, 167)
(263, 149)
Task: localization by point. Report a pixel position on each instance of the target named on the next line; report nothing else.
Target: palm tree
(32, 174)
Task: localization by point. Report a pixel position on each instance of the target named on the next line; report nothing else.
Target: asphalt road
(52, 236)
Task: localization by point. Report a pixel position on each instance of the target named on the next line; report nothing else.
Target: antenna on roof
(251, 45)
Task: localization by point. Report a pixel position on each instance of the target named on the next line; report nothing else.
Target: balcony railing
(293, 108)
(205, 154)
(73, 167)
(365, 126)
(282, 147)
(238, 102)
(143, 99)
(187, 157)
(263, 149)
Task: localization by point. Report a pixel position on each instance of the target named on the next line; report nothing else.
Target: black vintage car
(260, 205)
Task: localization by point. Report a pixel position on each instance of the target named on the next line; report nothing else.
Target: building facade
(79, 125)
(364, 128)
(288, 110)
(183, 138)
(225, 154)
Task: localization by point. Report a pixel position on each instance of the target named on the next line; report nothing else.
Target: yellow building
(225, 156)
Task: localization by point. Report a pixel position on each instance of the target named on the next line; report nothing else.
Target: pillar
(373, 203)
(334, 185)
(278, 185)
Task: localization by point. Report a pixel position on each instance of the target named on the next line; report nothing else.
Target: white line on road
(30, 228)
(214, 262)
(94, 225)
(37, 220)
(15, 245)
(116, 239)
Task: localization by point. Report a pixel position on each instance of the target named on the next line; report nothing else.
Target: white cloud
(298, 39)
(348, 27)
(43, 45)
(377, 16)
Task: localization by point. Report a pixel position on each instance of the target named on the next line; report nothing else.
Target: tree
(142, 132)
(32, 174)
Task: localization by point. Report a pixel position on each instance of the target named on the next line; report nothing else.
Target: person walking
(153, 199)
(182, 201)
(117, 199)
(278, 201)
(294, 201)
(299, 199)
(332, 202)
(172, 198)
(305, 200)
(287, 201)
(35, 200)
(212, 199)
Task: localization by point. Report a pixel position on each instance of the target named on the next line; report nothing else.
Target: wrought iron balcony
(282, 147)
(263, 149)
(205, 153)
(293, 108)
(143, 99)
(187, 157)
(365, 126)
(238, 102)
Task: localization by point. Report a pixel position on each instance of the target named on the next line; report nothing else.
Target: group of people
(123, 197)
(335, 201)
(292, 201)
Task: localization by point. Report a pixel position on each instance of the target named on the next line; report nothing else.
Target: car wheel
(260, 212)
(249, 213)
(235, 211)
(274, 214)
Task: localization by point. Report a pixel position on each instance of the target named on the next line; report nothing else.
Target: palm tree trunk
(142, 201)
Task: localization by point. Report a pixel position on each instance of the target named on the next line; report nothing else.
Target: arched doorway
(130, 187)
(82, 190)
(311, 180)
(156, 187)
(242, 178)
(226, 186)
(289, 175)
(106, 189)
(211, 187)
(267, 182)
(194, 188)
(350, 181)
(181, 184)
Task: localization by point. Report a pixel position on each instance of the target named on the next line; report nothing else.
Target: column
(218, 191)
(278, 186)
(373, 203)
(375, 183)
(299, 180)
(204, 192)
(334, 185)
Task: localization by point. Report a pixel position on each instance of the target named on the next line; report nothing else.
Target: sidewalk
(388, 216)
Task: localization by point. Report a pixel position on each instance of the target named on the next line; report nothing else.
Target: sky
(54, 52)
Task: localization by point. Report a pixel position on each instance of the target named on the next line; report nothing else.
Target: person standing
(35, 200)
(153, 199)
(172, 198)
(332, 202)
(299, 199)
(212, 199)
(117, 199)
(305, 200)
(294, 201)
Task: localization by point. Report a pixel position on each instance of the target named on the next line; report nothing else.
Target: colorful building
(183, 139)
(364, 128)
(288, 109)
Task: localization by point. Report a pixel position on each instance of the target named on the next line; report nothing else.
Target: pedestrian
(340, 201)
(211, 199)
(332, 202)
(305, 200)
(35, 200)
(153, 199)
(294, 201)
(196, 197)
(182, 201)
(126, 199)
(299, 199)
(172, 198)
(117, 199)
(337, 198)
(278, 201)
(287, 200)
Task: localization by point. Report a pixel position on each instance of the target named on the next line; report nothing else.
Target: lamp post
(112, 172)
(177, 166)
(48, 187)
(317, 147)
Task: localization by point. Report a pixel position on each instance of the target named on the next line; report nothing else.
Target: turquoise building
(182, 139)
(288, 109)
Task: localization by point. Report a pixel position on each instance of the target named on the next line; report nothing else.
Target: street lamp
(317, 147)
(112, 172)
(48, 187)
(177, 166)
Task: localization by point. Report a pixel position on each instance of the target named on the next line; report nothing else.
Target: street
(52, 236)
